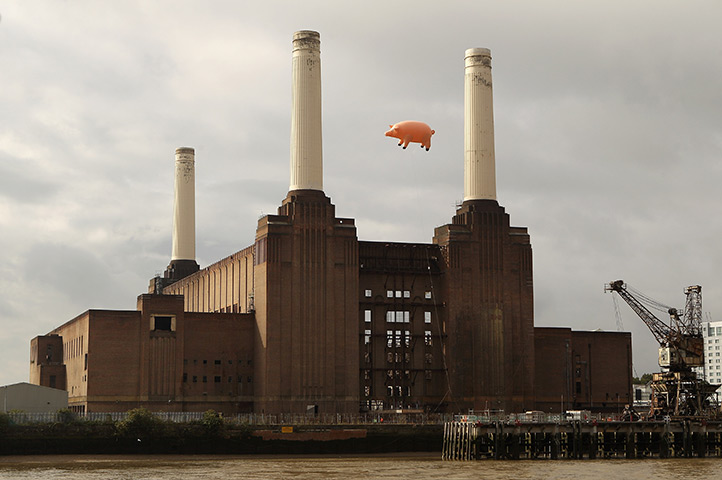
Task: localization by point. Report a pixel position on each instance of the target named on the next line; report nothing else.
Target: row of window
(216, 362)
(396, 339)
(216, 379)
(397, 316)
(397, 294)
(395, 390)
(711, 331)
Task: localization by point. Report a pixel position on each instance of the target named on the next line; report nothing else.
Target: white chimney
(479, 167)
(184, 206)
(306, 145)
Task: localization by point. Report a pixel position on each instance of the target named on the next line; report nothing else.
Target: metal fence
(20, 418)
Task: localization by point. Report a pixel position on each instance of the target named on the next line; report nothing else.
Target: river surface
(417, 467)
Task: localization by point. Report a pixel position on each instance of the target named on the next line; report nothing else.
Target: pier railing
(380, 418)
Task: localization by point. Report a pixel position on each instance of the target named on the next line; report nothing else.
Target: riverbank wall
(175, 438)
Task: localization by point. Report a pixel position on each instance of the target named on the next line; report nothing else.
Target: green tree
(140, 423)
(643, 380)
(213, 422)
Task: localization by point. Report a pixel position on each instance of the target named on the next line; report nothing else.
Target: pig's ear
(391, 126)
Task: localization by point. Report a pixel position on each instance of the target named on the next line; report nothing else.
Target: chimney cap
(185, 150)
(477, 52)
(306, 40)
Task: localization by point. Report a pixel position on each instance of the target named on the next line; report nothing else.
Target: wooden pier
(581, 440)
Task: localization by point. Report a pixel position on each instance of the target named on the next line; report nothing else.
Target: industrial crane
(676, 391)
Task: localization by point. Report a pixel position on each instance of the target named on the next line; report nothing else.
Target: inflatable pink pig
(411, 131)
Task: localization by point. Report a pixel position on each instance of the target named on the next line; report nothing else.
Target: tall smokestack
(306, 145)
(183, 255)
(479, 165)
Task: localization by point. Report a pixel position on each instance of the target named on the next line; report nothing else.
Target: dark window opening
(217, 362)
(162, 323)
(195, 379)
(217, 379)
(205, 379)
(579, 387)
(185, 378)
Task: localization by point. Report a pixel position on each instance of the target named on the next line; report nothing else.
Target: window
(205, 379)
(427, 295)
(427, 317)
(367, 337)
(390, 316)
(389, 338)
(367, 374)
(427, 374)
(390, 390)
(367, 390)
(389, 293)
(427, 337)
(367, 293)
(719, 330)
(216, 362)
(367, 316)
(398, 338)
(429, 358)
(195, 379)
(217, 379)
(407, 338)
(162, 323)
(230, 379)
(185, 378)
(407, 294)
(398, 293)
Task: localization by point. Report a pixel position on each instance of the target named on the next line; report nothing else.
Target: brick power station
(311, 319)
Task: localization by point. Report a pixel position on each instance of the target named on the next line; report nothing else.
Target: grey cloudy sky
(608, 123)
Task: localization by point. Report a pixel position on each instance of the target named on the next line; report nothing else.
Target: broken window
(427, 337)
(367, 337)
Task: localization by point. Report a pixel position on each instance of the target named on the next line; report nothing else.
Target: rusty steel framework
(676, 391)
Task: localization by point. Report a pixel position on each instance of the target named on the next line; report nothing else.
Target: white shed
(32, 398)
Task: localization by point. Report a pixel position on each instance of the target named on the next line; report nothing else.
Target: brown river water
(416, 467)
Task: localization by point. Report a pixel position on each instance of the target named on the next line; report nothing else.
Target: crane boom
(659, 329)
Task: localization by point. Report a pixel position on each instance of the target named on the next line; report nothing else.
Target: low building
(158, 357)
(580, 370)
(30, 398)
